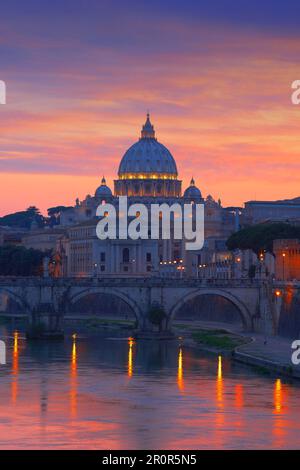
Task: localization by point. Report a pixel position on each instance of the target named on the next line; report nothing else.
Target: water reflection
(219, 415)
(180, 371)
(278, 396)
(279, 411)
(15, 368)
(76, 394)
(73, 381)
(130, 357)
(220, 384)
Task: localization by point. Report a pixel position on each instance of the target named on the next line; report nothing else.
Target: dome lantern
(148, 129)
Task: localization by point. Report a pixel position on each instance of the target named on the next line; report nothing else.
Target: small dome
(147, 156)
(192, 192)
(103, 190)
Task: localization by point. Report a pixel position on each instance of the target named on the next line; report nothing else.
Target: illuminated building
(147, 174)
(287, 259)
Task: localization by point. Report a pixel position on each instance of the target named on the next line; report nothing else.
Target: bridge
(50, 301)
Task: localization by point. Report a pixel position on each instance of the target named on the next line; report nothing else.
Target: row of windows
(125, 268)
(80, 233)
(125, 256)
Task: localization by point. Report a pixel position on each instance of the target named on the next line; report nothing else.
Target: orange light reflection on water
(15, 368)
(220, 384)
(73, 381)
(278, 396)
(220, 415)
(239, 396)
(180, 381)
(130, 357)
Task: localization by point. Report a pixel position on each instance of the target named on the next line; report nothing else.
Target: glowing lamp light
(278, 293)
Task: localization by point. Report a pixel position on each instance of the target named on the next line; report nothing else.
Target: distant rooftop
(283, 202)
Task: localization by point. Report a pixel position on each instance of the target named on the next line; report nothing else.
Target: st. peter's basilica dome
(147, 158)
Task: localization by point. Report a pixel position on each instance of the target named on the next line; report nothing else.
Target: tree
(252, 271)
(19, 261)
(23, 219)
(260, 237)
(54, 214)
(157, 315)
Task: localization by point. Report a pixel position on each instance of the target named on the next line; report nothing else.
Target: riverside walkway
(273, 353)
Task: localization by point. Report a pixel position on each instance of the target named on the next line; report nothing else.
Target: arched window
(125, 255)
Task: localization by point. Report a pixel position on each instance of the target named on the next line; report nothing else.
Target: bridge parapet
(126, 281)
(252, 298)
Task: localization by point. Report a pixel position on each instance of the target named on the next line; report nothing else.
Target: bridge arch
(12, 295)
(241, 307)
(110, 291)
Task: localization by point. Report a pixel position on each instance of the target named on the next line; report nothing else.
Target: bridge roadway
(48, 300)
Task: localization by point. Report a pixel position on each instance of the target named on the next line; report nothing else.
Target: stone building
(42, 239)
(147, 174)
(256, 212)
(287, 259)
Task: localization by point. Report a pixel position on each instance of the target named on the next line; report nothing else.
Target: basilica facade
(147, 174)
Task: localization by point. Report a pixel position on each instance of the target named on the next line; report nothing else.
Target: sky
(215, 76)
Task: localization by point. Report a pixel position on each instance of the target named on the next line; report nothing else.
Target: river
(96, 393)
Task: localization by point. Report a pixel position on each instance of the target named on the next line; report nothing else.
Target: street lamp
(95, 269)
(181, 269)
(283, 258)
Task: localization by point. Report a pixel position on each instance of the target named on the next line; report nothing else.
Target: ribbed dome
(147, 156)
(192, 191)
(103, 190)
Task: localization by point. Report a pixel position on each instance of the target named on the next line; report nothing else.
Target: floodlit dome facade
(148, 168)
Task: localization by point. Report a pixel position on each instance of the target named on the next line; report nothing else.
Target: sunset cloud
(79, 84)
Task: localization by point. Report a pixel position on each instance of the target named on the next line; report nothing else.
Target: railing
(133, 282)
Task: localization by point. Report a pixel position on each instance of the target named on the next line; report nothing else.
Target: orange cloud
(223, 109)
